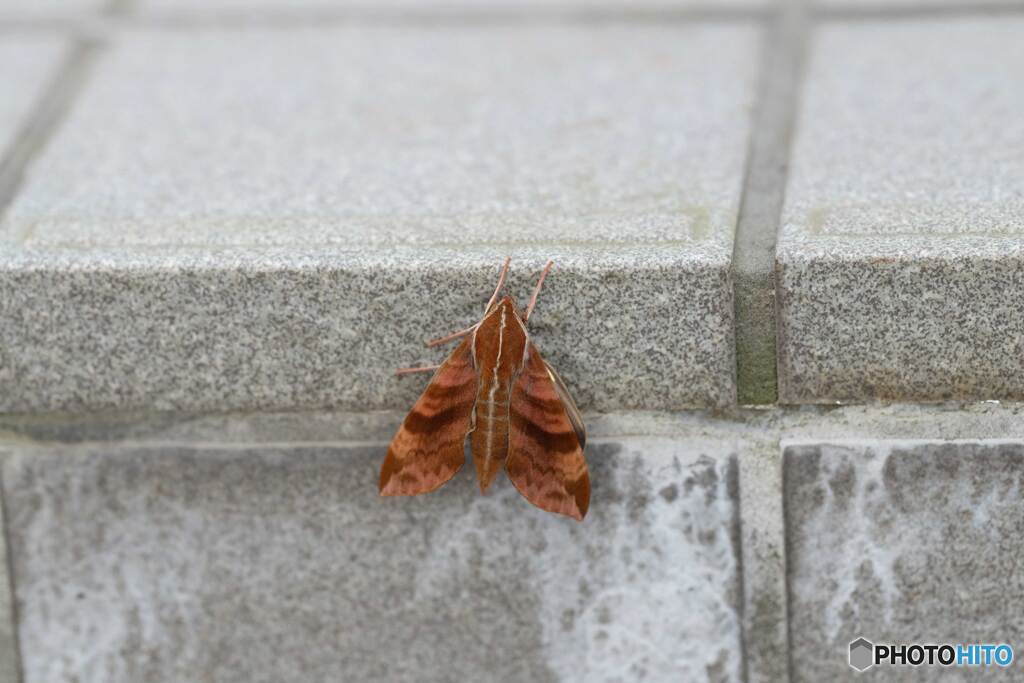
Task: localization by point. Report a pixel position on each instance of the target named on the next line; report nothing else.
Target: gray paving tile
(919, 5)
(400, 136)
(900, 255)
(49, 9)
(29, 61)
(902, 542)
(261, 564)
(267, 234)
(205, 457)
(444, 6)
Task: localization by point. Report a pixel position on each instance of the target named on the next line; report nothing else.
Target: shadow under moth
(496, 388)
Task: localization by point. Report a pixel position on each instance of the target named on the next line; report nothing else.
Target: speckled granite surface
(198, 238)
(170, 547)
(305, 329)
(900, 260)
(250, 564)
(903, 542)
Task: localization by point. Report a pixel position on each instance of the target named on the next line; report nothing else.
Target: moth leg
(450, 337)
(409, 371)
(462, 333)
(501, 281)
(536, 290)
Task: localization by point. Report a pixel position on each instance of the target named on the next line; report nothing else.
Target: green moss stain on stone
(756, 376)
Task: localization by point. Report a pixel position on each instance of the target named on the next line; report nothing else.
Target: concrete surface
(48, 9)
(496, 7)
(435, 135)
(192, 248)
(903, 542)
(29, 60)
(900, 260)
(31, 64)
(199, 485)
(252, 563)
(963, 8)
(9, 655)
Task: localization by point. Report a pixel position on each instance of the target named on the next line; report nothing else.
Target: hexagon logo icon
(862, 653)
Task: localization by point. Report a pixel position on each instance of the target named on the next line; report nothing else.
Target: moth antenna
(536, 290)
(501, 283)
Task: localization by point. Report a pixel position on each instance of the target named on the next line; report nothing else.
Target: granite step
(900, 261)
(263, 218)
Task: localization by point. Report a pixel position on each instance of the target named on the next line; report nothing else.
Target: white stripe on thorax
(494, 384)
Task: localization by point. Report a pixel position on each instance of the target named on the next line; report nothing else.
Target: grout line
(762, 558)
(453, 15)
(764, 186)
(736, 531)
(154, 444)
(787, 568)
(160, 248)
(11, 670)
(980, 9)
(44, 118)
(125, 12)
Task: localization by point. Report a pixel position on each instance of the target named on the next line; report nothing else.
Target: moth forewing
(428, 448)
(570, 405)
(545, 460)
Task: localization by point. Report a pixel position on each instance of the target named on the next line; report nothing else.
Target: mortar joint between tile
(923, 10)
(9, 586)
(753, 263)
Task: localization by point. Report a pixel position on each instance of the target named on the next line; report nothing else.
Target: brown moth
(496, 388)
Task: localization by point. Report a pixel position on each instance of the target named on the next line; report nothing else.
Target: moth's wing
(545, 459)
(429, 447)
(570, 406)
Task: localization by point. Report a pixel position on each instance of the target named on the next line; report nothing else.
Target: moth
(496, 388)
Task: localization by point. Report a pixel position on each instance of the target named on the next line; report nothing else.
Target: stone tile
(48, 9)
(255, 564)
(421, 136)
(901, 259)
(29, 60)
(299, 331)
(902, 541)
(442, 6)
(919, 5)
(194, 238)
